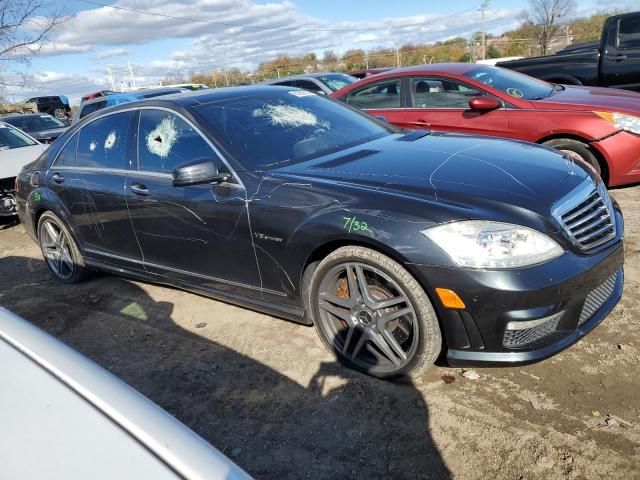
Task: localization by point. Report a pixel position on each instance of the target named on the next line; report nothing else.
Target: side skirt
(294, 314)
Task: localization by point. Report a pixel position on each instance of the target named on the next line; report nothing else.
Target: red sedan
(598, 125)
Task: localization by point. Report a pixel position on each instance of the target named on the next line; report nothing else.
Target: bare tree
(25, 25)
(547, 16)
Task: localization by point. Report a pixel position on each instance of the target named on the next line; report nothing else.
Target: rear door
(195, 233)
(89, 176)
(443, 104)
(621, 61)
(383, 99)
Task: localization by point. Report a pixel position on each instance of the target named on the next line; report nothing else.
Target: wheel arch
(323, 250)
(604, 166)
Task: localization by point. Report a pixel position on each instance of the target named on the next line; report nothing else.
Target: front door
(89, 176)
(197, 233)
(443, 104)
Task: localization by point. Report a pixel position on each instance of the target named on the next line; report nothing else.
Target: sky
(217, 34)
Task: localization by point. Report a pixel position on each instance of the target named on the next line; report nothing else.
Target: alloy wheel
(56, 250)
(368, 316)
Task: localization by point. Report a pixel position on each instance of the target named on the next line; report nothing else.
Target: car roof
(182, 100)
(455, 68)
(304, 76)
(201, 97)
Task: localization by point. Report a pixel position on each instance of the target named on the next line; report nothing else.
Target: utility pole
(483, 6)
(398, 56)
(366, 60)
(567, 30)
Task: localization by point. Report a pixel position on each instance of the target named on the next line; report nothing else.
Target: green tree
(493, 52)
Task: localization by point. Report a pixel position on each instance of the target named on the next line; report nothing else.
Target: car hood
(453, 168)
(48, 134)
(12, 161)
(592, 98)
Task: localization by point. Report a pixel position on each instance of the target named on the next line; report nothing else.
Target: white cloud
(213, 45)
(289, 30)
(73, 86)
(114, 52)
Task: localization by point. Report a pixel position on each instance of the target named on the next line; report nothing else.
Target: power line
(258, 27)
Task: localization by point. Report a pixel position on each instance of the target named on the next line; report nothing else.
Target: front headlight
(622, 121)
(493, 245)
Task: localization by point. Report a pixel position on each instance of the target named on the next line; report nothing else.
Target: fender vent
(350, 157)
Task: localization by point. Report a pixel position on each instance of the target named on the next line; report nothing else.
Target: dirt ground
(266, 393)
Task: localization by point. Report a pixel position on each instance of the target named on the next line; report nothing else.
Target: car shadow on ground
(342, 425)
(8, 222)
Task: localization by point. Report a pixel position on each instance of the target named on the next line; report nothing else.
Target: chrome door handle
(57, 178)
(139, 189)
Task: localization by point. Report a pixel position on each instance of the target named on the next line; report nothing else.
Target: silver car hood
(63, 416)
(12, 160)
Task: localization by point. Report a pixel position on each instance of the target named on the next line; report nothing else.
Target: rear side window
(92, 107)
(67, 156)
(384, 94)
(629, 32)
(103, 142)
(165, 141)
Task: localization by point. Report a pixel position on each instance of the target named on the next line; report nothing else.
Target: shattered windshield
(270, 129)
(36, 123)
(13, 138)
(513, 84)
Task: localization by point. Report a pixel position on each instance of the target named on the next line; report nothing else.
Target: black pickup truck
(612, 62)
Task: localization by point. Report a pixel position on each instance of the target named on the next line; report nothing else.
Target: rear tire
(372, 314)
(577, 150)
(60, 113)
(60, 252)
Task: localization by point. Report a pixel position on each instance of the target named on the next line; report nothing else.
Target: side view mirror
(484, 104)
(197, 172)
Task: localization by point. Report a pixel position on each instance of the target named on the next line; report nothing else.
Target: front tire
(60, 113)
(373, 315)
(60, 252)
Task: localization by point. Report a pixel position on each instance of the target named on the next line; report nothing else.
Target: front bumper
(567, 291)
(622, 152)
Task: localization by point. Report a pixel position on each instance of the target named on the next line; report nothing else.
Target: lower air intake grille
(597, 298)
(521, 337)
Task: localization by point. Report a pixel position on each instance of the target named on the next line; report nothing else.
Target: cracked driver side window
(165, 141)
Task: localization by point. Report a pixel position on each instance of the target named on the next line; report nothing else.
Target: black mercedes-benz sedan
(398, 246)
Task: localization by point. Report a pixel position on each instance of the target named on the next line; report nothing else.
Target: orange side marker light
(450, 299)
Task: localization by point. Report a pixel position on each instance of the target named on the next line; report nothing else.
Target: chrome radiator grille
(589, 219)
